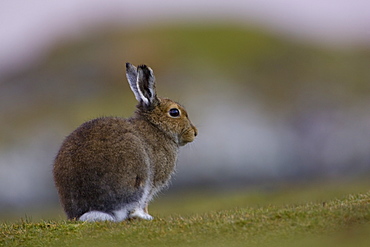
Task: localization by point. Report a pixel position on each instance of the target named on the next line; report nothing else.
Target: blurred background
(278, 89)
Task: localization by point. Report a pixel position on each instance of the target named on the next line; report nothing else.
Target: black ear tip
(127, 65)
(143, 67)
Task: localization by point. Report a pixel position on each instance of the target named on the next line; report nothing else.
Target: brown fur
(104, 164)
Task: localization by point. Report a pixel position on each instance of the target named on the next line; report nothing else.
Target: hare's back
(99, 141)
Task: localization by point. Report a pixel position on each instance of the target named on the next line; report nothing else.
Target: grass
(335, 222)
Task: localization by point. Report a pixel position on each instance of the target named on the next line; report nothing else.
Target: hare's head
(167, 115)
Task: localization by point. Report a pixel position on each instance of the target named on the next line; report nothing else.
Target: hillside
(339, 222)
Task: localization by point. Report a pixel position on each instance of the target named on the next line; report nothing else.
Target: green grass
(232, 219)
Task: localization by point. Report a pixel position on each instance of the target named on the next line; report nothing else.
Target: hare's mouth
(188, 136)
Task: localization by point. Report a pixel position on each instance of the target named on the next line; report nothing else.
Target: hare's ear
(142, 83)
(146, 86)
(131, 74)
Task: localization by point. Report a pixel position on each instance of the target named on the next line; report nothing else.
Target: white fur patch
(146, 194)
(93, 216)
(123, 213)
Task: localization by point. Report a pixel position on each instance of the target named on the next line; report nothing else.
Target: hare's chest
(162, 171)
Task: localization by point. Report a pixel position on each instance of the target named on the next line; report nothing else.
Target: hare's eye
(174, 112)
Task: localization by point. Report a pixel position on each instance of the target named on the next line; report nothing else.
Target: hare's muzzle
(188, 135)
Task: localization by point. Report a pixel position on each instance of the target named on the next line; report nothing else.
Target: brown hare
(110, 168)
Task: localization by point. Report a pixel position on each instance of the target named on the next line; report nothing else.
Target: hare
(110, 168)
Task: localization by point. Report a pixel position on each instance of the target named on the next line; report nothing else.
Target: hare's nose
(195, 131)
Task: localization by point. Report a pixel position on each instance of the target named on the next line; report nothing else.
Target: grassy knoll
(337, 222)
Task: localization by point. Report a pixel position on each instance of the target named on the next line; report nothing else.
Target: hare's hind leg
(93, 216)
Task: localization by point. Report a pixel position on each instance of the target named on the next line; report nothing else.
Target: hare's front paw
(139, 213)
